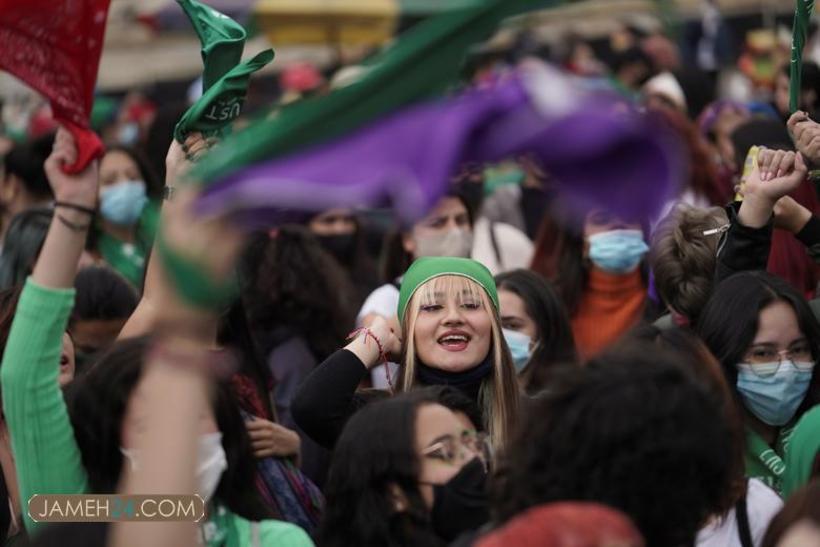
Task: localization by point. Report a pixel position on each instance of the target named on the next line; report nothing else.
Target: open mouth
(454, 341)
(63, 361)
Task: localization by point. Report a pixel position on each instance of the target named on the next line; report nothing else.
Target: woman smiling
(450, 335)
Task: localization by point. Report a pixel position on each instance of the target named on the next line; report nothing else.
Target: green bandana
(224, 80)
(764, 462)
(430, 267)
(803, 448)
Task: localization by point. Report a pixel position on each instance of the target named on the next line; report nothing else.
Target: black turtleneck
(466, 381)
(328, 398)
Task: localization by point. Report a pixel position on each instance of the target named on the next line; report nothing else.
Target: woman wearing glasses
(767, 340)
(408, 470)
(450, 335)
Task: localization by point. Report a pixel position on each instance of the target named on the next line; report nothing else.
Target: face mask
(456, 242)
(774, 399)
(460, 504)
(617, 251)
(128, 134)
(211, 463)
(123, 202)
(340, 246)
(519, 344)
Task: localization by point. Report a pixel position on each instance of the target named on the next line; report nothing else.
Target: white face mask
(211, 463)
(455, 242)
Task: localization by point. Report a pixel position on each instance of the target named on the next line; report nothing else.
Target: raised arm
(46, 454)
(177, 162)
(176, 382)
(747, 243)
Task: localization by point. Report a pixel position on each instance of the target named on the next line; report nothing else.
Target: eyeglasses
(469, 445)
(765, 361)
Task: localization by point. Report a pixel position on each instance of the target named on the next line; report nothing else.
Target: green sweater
(42, 439)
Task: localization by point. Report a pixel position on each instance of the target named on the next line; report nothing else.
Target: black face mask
(340, 246)
(460, 504)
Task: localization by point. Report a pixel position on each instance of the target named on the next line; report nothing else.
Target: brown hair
(683, 257)
(499, 395)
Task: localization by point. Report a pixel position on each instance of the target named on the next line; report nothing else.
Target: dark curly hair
(291, 281)
(632, 430)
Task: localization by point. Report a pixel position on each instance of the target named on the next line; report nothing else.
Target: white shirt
(383, 301)
(762, 504)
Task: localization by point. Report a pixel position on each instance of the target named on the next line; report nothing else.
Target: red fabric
(788, 258)
(54, 46)
(566, 524)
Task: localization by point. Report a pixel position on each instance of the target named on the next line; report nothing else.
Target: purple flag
(600, 152)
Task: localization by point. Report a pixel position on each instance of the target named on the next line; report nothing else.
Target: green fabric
(802, 451)
(421, 64)
(764, 462)
(802, 17)
(42, 440)
(129, 258)
(192, 282)
(224, 80)
(429, 267)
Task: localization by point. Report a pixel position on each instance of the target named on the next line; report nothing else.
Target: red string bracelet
(382, 354)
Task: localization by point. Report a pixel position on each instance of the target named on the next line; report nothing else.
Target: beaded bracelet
(368, 333)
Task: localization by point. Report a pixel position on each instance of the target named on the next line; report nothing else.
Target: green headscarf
(802, 451)
(427, 268)
(224, 80)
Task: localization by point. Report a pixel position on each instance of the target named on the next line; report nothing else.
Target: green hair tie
(192, 283)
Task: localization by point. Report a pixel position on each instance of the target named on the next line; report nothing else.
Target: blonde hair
(498, 398)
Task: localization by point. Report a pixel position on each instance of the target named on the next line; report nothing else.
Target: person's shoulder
(383, 301)
(283, 534)
(761, 498)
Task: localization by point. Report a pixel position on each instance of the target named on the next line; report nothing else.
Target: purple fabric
(602, 155)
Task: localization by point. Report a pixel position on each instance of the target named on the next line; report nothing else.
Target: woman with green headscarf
(803, 453)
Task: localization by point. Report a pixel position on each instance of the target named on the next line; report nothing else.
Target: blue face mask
(617, 251)
(773, 399)
(123, 202)
(519, 344)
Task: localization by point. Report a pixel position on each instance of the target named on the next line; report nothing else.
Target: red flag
(54, 46)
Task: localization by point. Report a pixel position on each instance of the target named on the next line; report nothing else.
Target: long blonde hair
(498, 397)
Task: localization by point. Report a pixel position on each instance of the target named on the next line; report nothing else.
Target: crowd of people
(503, 371)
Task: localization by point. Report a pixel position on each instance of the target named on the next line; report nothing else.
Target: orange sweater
(610, 306)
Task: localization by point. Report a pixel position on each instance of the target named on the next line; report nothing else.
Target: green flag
(802, 17)
(422, 63)
(224, 80)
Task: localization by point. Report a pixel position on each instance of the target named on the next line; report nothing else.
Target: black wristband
(87, 210)
(72, 225)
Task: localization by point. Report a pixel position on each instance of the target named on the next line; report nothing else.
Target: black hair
(451, 398)
(555, 342)
(22, 244)
(631, 430)
(759, 132)
(234, 332)
(630, 56)
(374, 456)
(729, 322)
(290, 281)
(27, 160)
(97, 403)
(153, 186)
(102, 294)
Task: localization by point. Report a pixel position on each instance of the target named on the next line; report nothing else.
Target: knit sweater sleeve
(327, 398)
(42, 439)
